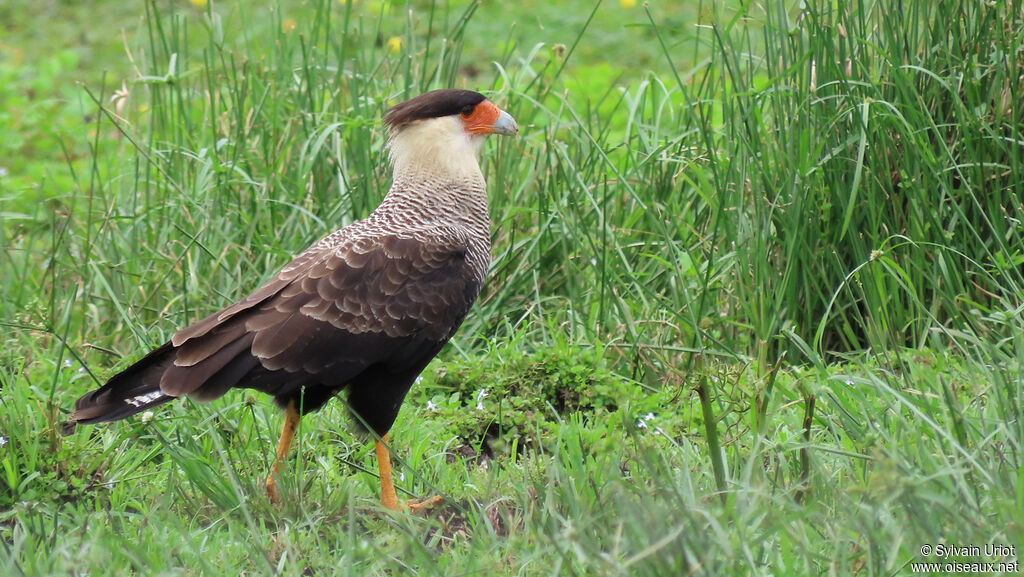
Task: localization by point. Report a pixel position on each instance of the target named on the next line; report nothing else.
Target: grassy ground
(754, 306)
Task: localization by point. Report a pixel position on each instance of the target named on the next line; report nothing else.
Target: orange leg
(291, 423)
(388, 496)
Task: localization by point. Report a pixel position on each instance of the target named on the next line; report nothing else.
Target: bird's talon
(418, 505)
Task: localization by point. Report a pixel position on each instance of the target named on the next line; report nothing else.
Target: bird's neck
(437, 175)
(438, 148)
(437, 200)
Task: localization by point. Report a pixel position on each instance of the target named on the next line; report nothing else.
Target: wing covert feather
(336, 309)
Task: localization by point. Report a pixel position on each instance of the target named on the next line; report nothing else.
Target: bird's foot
(412, 505)
(418, 505)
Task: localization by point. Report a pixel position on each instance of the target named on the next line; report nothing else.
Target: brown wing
(370, 311)
(328, 315)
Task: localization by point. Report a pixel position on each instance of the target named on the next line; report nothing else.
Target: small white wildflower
(120, 98)
(109, 485)
(480, 399)
(642, 424)
(401, 476)
(648, 416)
(3, 440)
(147, 417)
(431, 406)
(67, 363)
(848, 381)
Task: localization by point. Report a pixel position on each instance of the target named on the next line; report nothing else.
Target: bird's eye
(467, 110)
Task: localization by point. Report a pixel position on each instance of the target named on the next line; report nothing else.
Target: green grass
(754, 304)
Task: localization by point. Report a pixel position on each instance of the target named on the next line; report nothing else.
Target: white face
(446, 147)
(436, 145)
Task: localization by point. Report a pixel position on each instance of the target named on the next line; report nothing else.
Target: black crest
(433, 104)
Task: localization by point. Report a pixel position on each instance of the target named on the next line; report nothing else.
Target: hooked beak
(489, 119)
(505, 125)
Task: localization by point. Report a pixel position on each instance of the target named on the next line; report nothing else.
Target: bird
(362, 311)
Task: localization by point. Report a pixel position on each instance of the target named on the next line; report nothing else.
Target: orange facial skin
(482, 119)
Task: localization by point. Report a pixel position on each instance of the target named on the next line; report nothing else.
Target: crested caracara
(363, 310)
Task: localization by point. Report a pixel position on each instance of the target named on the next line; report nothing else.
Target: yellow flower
(288, 24)
(198, 3)
(627, 3)
(394, 44)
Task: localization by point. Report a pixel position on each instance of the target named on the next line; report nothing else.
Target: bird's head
(442, 126)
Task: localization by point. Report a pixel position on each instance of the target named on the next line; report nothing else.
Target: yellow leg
(388, 496)
(291, 423)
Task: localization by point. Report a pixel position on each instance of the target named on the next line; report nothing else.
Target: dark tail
(134, 390)
(203, 367)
